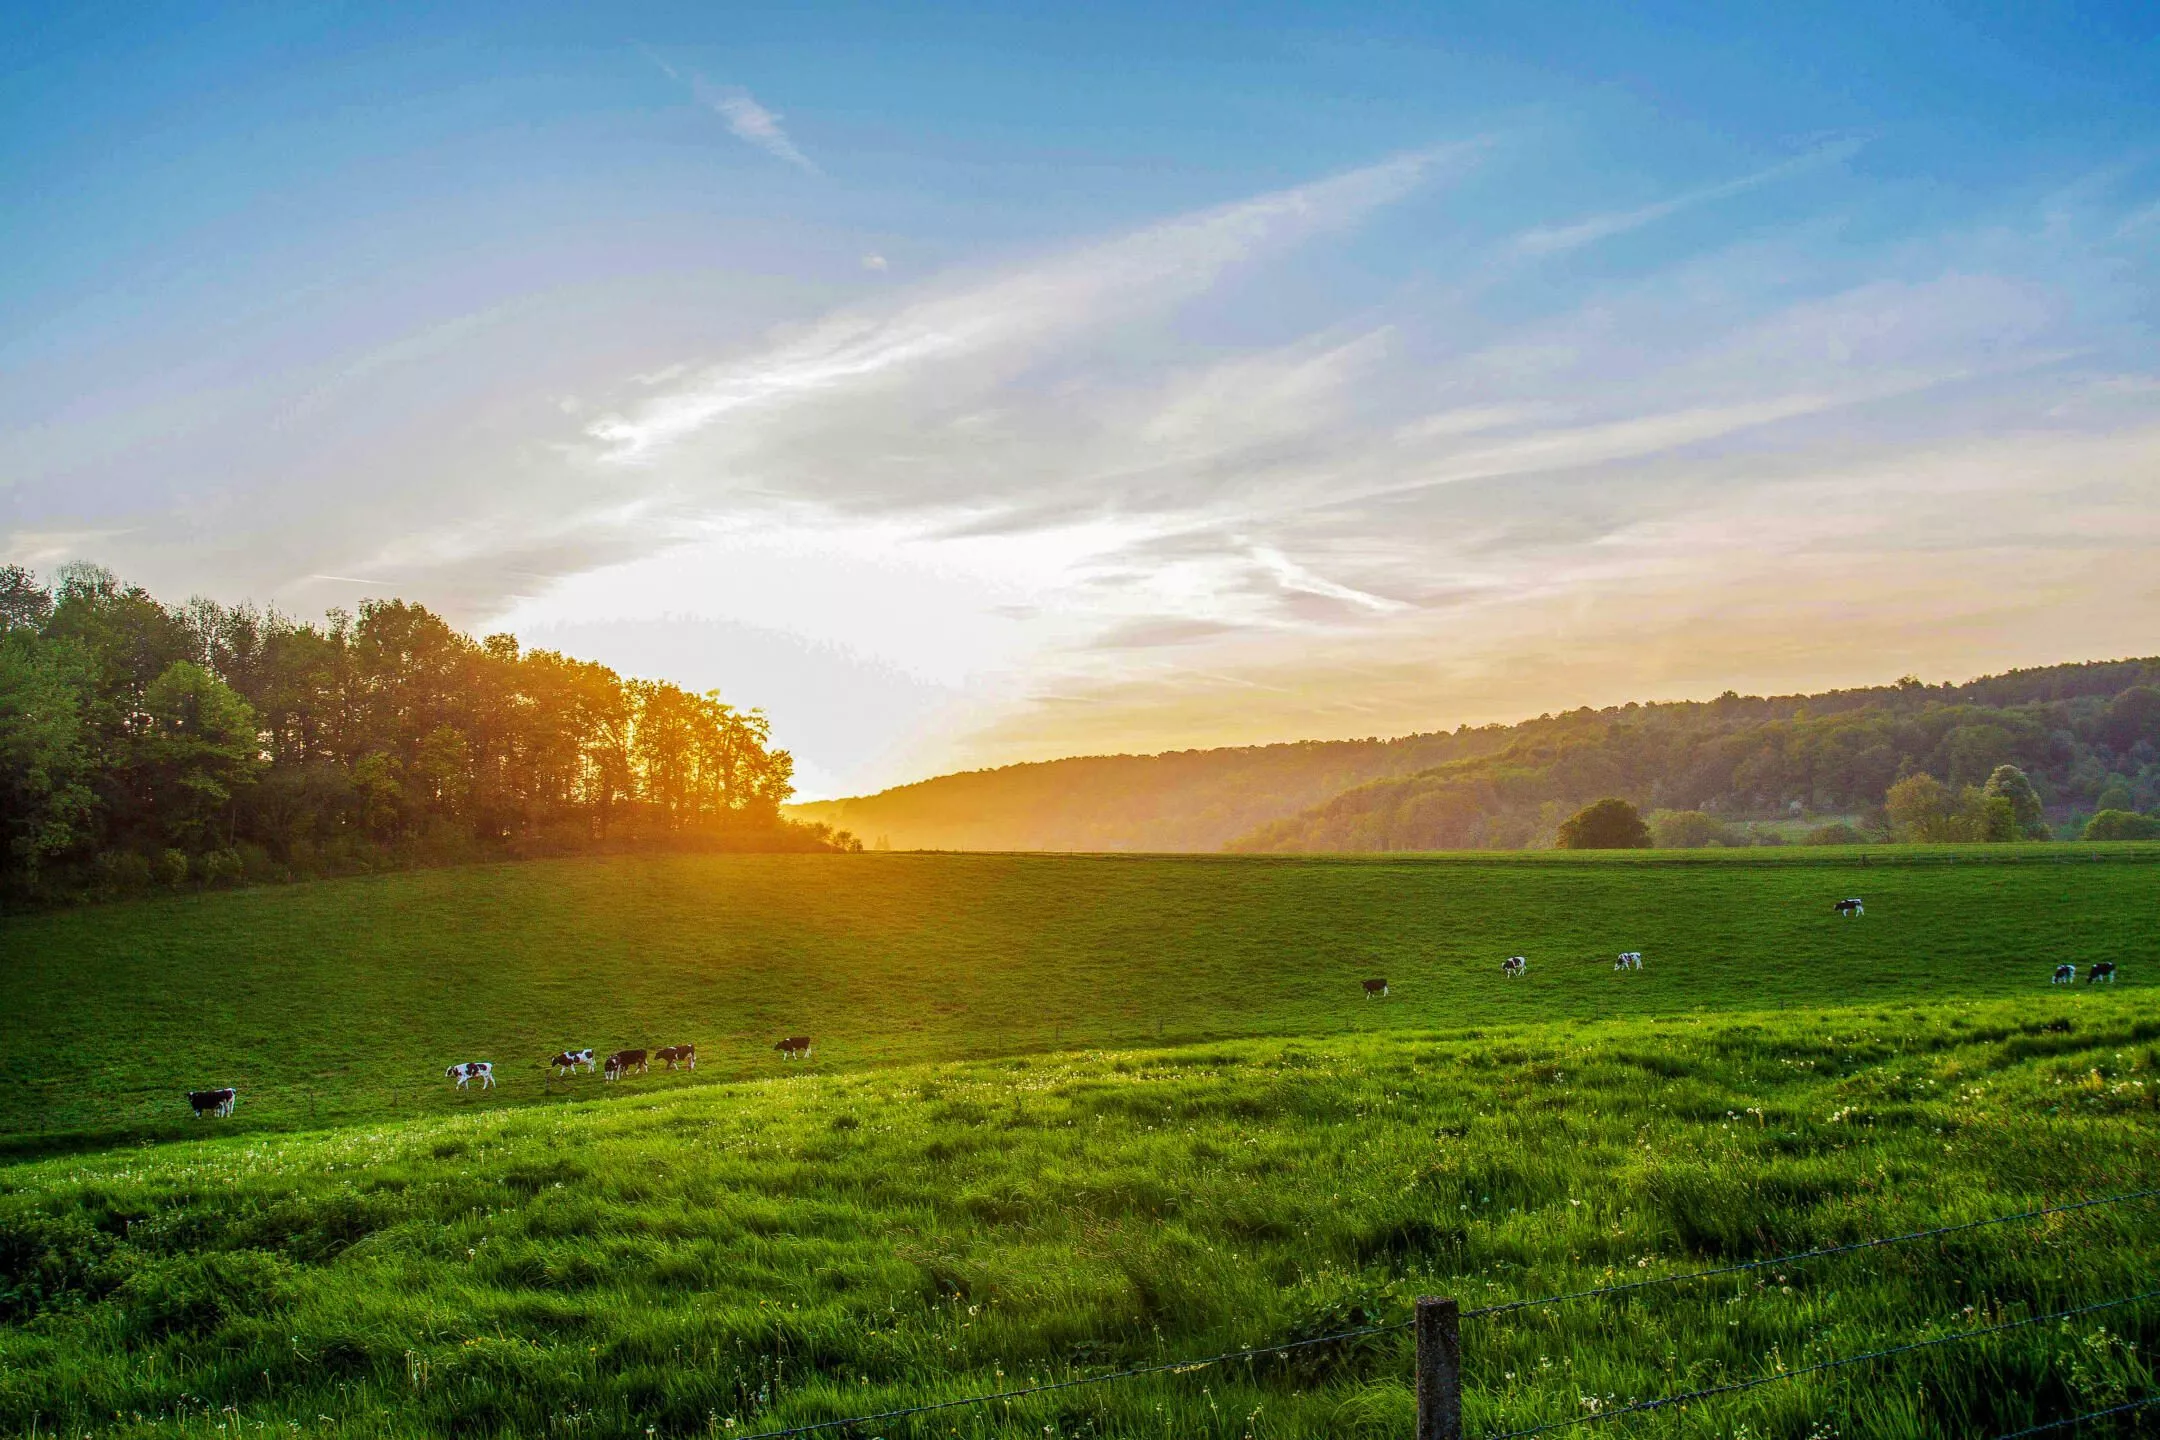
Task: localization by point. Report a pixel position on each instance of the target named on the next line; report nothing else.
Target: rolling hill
(342, 1001)
(2088, 734)
(1181, 800)
(1182, 1131)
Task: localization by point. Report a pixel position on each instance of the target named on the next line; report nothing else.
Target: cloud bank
(1225, 477)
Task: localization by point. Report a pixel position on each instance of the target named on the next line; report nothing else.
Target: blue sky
(966, 386)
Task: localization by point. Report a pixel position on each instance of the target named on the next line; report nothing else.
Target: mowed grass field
(739, 1257)
(342, 1001)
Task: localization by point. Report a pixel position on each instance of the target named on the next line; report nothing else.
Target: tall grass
(737, 1256)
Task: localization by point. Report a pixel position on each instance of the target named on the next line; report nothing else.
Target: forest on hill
(2086, 736)
(1729, 769)
(145, 744)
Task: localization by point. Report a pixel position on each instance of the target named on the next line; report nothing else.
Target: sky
(965, 386)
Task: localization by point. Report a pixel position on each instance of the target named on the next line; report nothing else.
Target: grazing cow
(2103, 970)
(1514, 966)
(622, 1062)
(672, 1053)
(212, 1102)
(1375, 987)
(2064, 975)
(471, 1070)
(568, 1062)
(1629, 960)
(1849, 908)
(795, 1047)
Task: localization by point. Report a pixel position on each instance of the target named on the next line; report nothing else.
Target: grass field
(1069, 1115)
(734, 1257)
(342, 1001)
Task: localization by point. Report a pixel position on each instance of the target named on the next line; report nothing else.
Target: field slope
(727, 1259)
(1069, 1115)
(343, 1000)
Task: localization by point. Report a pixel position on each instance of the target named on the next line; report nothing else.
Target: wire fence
(1174, 1367)
(1802, 1255)
(1756, 1382)
(1167, 1367)
(2070, 1420)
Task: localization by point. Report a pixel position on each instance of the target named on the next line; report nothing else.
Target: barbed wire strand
(1509, 1305)
(1168, 1366)
(2122, 1409)
(1255, 1352)
(1732, 1387)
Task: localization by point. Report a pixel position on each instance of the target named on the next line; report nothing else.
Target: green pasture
(342, 1001)
(741, 1256)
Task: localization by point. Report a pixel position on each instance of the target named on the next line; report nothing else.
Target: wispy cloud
(1018, 312)
(1552, 239)
(1293, 576)
(748, 120)
(44, 549)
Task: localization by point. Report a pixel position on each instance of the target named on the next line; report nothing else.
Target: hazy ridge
(2078, 729)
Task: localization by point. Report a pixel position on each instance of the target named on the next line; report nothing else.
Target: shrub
(172, 868)
(123, 872)
(1688, 830)
(2122, 825)
(256, 864)
(1998, 819)
(1836, 833)
(1609, 824)
(221, 868)
(1923, 808)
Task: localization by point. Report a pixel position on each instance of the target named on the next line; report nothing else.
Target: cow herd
(797, 1047)
(1850, 908)
(622, 1062)
(480, 1074)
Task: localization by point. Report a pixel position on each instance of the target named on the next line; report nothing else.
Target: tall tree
(195, 747)
(2028, 819)
(46, 808)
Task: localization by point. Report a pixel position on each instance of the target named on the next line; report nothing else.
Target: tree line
(2070, 751)
(147, 744)
(1918, 809)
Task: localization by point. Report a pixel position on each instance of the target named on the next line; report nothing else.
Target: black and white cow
(1376, 989)
(2064, 975)
(1629, 960)
(212, 1102)
(2101, 970)
(568, 1062)
(1514, 966)
(687, 1054)
(622, 1062)
(1850, 907)
(465, 1072)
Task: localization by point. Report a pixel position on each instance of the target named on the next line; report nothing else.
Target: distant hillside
(2087, 735)
(1504, 787)
(1180, 800)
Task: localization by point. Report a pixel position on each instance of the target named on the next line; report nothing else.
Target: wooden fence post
(1439, 1370)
